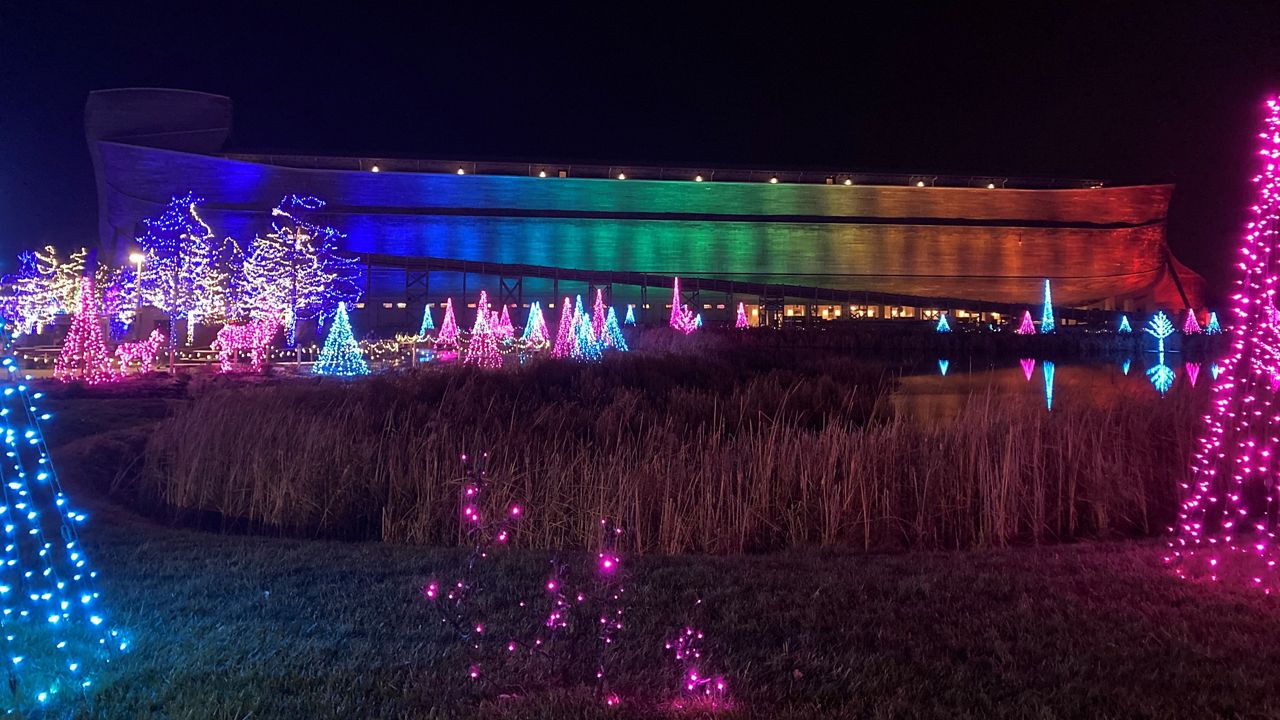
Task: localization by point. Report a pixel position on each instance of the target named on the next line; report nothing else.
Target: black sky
(1159, 92)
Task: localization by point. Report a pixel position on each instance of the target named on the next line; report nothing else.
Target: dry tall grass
(688, 459)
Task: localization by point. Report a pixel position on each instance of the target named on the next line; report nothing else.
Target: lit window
(374, 168)
(402, 305)
(386, 306)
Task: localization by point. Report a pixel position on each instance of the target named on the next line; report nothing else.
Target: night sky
(1159, 93)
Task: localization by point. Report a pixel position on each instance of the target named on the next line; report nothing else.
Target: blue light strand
(943, 325)
(341, 355)
(1124, 325)
(47, 595)
(1046, 319)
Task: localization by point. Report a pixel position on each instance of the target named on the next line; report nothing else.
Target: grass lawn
(253, 627)
(240, 627)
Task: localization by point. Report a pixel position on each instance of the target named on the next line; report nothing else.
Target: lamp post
(137, 258)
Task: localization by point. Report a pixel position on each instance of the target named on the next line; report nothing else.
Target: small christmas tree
(741, 321)
(505, 330)
(535, 328)
(613, 334)
(598, 315)
(586, 346)
(943, 325)
(427, 324)
(341, 354)
(565, 332)
(682, 318)
(1213, 328)
(84, 353)
(630, 319)
(482, 350)
(54, 627)
(1191, 326)
(1046, 319)
(1027, 327)
(1124, 325)
(447, 338)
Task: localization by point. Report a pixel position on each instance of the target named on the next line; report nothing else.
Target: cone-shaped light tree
(1124, 327)
(1213, 328)
(1227, 524)
(1191, 326)
(427, 323)
(630, 319)
(341, 354)
(84, 352)
(740, 322)
(1047, 323)
(535, 328)
(612, 334)
(54, 628)
(1027, 326)
(482, 349)
(565, 331)
(943, 326)
(598, 316)
(447, 338)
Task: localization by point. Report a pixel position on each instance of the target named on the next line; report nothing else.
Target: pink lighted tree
(447, 338)
(1191, 326)
(1227, 524)
(482, 351)
(564, 333)
(84, 352)
(1027, 326)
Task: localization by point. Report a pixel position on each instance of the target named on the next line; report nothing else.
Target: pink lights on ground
(142, 352)
(1226, 528)
(252, 339)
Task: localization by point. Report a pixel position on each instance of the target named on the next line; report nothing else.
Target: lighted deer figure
(142, 352)
(253, 338)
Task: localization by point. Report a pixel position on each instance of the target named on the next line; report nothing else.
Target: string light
(505, 329)
(598, 315)
(1193, 372)
(565, 332)
(1161, 375)
(535, 328)
(53, 627)
(253, 338)
(586, 346)
(181, 273)
(1159, 327)
(611, 334)
(427, 324)
(143, 352)
(1027, 327)
(630, 318)
(1191, 326)
(1124, 325)
(482, 350)
(341, 355)
(943, 366)
(447, 338)
(296, 269)
(1213, 328)
(1046, 318)
(1226, 527)
(681, 317)
(740, 321)
(84, 352)
(1028, 367)
(943, 326)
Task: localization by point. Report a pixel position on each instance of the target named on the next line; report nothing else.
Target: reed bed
(689, 456)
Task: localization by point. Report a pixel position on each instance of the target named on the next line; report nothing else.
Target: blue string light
(630, 319)
(1048, 368)
(1046, 318)
(1124, 325)
(1161, 375)
(943, 366)
(54, 631)
(427, 324)
(341, 354)
(613, 334)
(1160, 327)
(943, 325)
(1213, 328)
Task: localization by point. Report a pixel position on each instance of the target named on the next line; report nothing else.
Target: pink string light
(1028, 326)
(254, 339)
(447, 337)
(1226, 527)
(84, 352)
(482, 350)
(143, 352)
(564, 333)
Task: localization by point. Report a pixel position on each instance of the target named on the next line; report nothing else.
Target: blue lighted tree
(1125, 327)
(181, 273)
(1160, 327)
(1046, 318)
(1213, 328)
(54, 632)
(296, 269)
(427, 324)
(341, 354)
(943, 325)
(612, 334)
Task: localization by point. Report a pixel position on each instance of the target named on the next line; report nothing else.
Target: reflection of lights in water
(1028, 367)
(1193, 372)
(1214, 370)
(1161, 376)
(1124, 366)
(1047, 368)
(943, 365)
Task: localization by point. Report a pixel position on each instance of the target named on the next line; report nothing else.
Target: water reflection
(1161, 375)
(1028, 367)
(1048, 368)
(1124, 366)
(1193, 371)
(1214, 371)
(943, 365)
